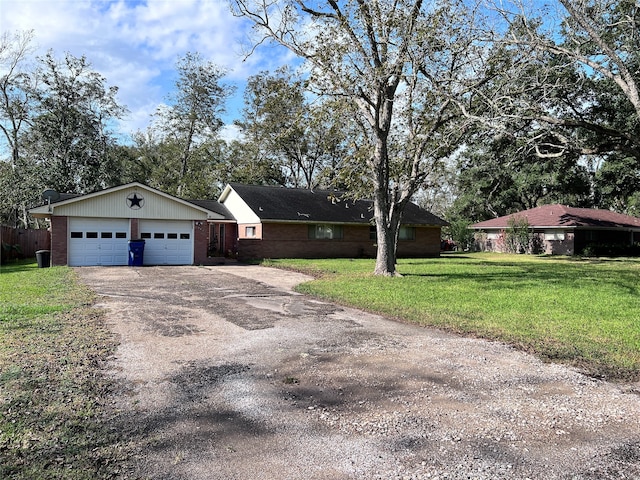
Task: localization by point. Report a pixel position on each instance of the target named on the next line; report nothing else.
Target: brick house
(276, 222)
(245, 222)
(562, 230)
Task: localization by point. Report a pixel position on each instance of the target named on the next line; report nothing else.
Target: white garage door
(167, 242)
(98, 241)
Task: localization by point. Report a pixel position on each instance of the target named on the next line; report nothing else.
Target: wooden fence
(22, 243)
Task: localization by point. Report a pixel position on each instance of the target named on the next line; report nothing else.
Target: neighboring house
(246, 222)
(277, 222)
(562, 230)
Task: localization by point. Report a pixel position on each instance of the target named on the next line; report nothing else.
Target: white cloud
(135, 44)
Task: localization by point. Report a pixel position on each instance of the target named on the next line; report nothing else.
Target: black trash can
(43, 257)
(136, 253)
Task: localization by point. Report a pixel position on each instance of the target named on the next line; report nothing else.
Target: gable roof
(210, 208)
(312, 206)
(560, 216)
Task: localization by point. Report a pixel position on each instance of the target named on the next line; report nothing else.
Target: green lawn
(52, 345)
(582, 312)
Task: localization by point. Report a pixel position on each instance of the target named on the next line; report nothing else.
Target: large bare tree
(397, 65)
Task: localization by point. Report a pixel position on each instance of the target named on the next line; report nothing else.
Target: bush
(611, 250)
(460, 233)
(518, 236)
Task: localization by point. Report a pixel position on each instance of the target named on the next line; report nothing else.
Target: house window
(250, 232)
(553, 235)
(493, 236)
(325, 232)
(407, 233)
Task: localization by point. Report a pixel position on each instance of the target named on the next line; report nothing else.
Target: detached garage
(95, 229)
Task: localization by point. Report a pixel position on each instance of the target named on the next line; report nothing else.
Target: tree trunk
(386, 226)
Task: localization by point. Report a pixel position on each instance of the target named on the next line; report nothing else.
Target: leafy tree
(503, 174)
(583, 72)
(396, 66)
(69, 139)
(187, 129)
(460, 232)
(246, 162)
(16, 86)
(299, 137)
(617, 184)
(17, 182)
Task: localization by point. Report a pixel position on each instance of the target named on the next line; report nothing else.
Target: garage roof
(132, 200)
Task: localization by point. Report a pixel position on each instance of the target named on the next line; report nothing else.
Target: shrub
(461, 234)
(517, 237)
(611, 250)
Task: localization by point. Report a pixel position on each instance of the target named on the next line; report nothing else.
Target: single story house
(245, 222)
(276, 222)
(559, 229)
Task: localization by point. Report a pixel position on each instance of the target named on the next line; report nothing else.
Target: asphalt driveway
(228, 374)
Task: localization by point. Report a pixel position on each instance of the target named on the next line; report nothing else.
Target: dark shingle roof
(214, 206)
(561, 216)
(302, 205)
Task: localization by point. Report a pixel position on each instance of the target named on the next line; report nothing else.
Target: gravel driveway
(228, 374)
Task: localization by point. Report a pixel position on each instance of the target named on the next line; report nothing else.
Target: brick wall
(59, 240)
(200, 243)
(549, 247)
(135, 229)
(426, 243)
(291, 241)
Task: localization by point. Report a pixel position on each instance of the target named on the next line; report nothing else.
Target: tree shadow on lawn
(18, 266)
(566, 271)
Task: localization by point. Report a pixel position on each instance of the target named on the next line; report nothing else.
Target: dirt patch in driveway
(228, 374)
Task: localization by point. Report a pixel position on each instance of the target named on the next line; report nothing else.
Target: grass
(582, 312)
(52, 346)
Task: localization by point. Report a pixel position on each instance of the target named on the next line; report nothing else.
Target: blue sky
(135, 44)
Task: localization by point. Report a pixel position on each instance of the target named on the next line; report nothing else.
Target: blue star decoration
(135, 202)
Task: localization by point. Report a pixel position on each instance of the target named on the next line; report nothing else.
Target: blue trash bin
(136, 253)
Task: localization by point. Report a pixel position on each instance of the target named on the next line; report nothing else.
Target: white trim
(236, 205)
(48, 210)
